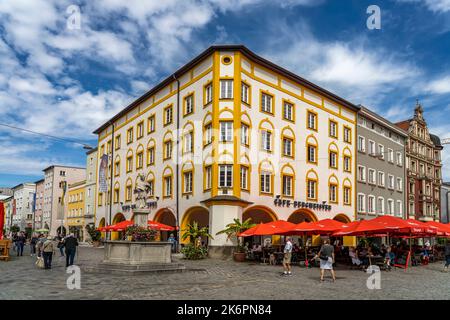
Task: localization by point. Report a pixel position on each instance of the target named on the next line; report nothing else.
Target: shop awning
(267, 229)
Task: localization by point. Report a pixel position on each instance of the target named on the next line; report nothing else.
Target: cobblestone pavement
(215, 279)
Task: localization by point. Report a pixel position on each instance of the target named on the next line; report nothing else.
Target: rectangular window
(108, 147)
(244, 134)
(130, 135)
(208, 134)
(399, 159)
(372, 176)
(151, 156)
(226, 131)
(332, 193)
(399, 211)
(188, 182)
(381, 181)
(151, 187)
(151, 124)
(399, 184)
(390, 182)
(333, 129)
(361, 203)
(311, 192)
(167, 150)
(130, 164)
(312, 154)
(266, 182)
(361, 173)
(117, 141)
(245, 93)
(347, 135)
(390, 207)
(287, 147)
(168, 115)
(189, 104)
(287, 186)
(288, 111)
(312, 120)
(244, 177)
(225, 176)
(208, 177)
(139, 160)
(128, 193)
(347, 164)
(371, 204)
(140, 130)
(381, 151)
(391, 155)
(266, 140)
(347, 195)
(168, 186)
(188, 142)
(361, 144)
(116, 195)
(372, 149)
(333, 159)
(208, 93)
(226, 89)
(266, 103)
(380, 205)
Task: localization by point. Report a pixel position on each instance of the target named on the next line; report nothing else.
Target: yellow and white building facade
(75, 209)
(241, 137)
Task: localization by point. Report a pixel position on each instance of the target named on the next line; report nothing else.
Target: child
(388, 258)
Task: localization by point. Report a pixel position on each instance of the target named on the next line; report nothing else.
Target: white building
(23, 205)
(251, 139)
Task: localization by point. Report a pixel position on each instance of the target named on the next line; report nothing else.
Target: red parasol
(2, 219)
(268, 229)
(441, 228)
(361, 228)
(159, 226)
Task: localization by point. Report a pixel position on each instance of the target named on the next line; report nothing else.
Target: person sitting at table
(296, 248)
(257, 248)
(353, 255)
(389, 258)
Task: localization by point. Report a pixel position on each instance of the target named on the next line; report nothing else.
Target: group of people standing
(44, 247)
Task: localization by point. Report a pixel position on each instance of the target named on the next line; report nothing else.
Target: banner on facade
(102, 185)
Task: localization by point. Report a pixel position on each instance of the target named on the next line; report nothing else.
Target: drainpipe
(111, 177)
(177, 164)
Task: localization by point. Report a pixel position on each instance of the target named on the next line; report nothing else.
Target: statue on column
(141, 191)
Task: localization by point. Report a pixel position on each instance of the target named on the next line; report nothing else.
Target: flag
(102, 185)
(2, 219)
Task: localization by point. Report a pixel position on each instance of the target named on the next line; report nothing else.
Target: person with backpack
(48, 248)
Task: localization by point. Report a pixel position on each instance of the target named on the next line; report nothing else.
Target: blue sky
(67, 82)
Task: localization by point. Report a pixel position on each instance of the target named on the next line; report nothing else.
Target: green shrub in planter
(191, 252)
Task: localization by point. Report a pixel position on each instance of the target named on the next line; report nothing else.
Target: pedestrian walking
(60, 244)
(20, 243)
(447, 256)
(48, 249)
(287, 257)
(33, 242)
(70, 243)
(326, 256)
(40, 245)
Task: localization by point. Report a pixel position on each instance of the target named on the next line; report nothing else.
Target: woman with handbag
(326, 256)
(47, 252)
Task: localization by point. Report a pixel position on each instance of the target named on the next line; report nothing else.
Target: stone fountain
(138, 256)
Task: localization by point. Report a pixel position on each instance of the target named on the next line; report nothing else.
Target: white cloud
(439, 86)
(432, 5)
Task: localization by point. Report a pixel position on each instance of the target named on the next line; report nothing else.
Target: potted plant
(94, 234)
(232, 231)
(194, 250)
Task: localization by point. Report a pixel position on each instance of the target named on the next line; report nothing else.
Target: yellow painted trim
(330, 121)
(117, 165)
(237, 123)
(245, 83)
(316, 120)
(350, 135)
(205, 86)
(261, 193)
(292, 175)
(141, 125)
(167, 123)
(129, 195)
(288, 101)
(227, 57)
(130, 135)
(215, 122)
(152, 116)
(316, 187)
(117, 141)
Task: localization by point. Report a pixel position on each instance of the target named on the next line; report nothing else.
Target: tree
(192, 232)
(235, 228)
(15, 228)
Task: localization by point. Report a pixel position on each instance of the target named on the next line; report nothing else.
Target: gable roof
(248, 54)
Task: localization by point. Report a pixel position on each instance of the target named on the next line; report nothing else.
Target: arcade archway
(119, 217)
(302, 215)
(195, 214)
(342, 218)
(101, 224)
(259, 214)
(167, 217)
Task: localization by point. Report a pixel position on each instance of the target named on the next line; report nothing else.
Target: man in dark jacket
(70, 243)
(20, 242)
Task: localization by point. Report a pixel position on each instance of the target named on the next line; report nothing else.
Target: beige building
(91, 186)
(231, 135)
(39, 205)
(56, 178)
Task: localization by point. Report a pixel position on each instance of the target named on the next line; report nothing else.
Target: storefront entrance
(119, 217)
(195, 214)
(167, 217)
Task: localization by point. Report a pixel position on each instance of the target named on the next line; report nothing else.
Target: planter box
(239, 256)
